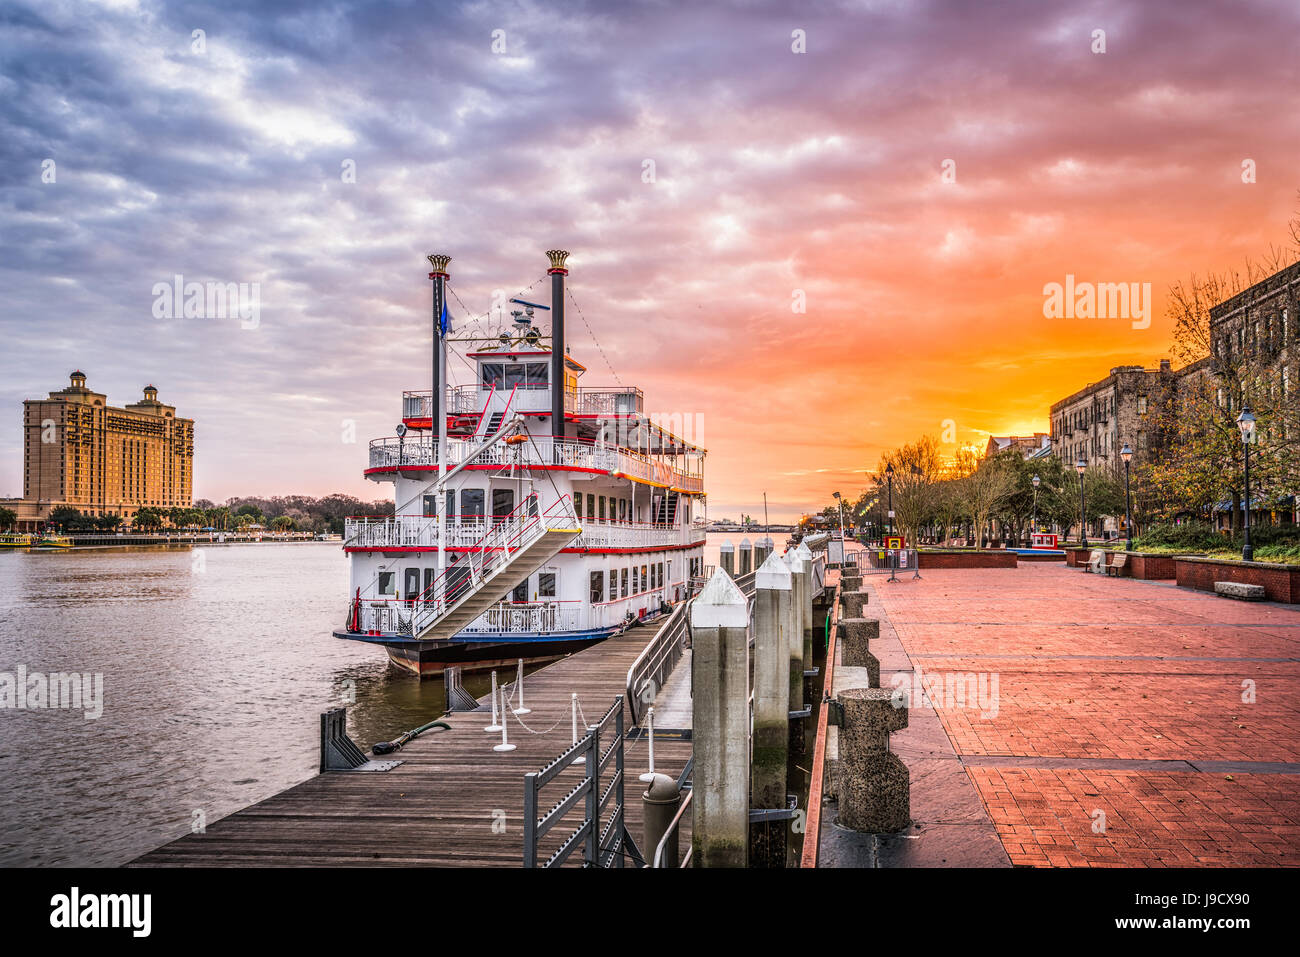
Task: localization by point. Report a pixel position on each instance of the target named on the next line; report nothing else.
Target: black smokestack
(439, 262)
(558, 271)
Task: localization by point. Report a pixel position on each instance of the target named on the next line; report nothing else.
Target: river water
(216, 666)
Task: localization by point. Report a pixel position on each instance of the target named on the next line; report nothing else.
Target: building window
(597, 587)
(546, 584)
(1142, 405)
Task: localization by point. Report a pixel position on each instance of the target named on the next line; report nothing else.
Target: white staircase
(512, 549)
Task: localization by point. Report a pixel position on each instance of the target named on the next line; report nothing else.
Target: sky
(815, 231)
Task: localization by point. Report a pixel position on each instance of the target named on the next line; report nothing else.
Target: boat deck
(454, 802)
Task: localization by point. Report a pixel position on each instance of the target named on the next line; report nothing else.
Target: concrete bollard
(850, 580)
(806, 603)
(746, 553)
(659, 805)
(727, 558)
(762, 549)
(857, 634)
(852, 603)
(799, 583)
(770, 751)
(774, 586)
(874, 784)
(720, 724)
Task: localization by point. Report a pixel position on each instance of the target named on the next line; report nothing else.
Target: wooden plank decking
(439, 808)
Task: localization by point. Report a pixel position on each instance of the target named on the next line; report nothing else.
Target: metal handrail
(671, 830)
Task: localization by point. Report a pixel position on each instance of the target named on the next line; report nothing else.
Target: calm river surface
(216, 665)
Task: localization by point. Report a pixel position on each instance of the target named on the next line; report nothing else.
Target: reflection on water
(217, 663)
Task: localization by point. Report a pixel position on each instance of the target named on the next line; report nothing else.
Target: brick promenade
(1119, 703)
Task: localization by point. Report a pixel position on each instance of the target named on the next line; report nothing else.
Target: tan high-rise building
(99, 459)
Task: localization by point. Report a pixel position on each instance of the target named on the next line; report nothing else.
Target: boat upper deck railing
(684, 473)
(587, 400)
(420, 531)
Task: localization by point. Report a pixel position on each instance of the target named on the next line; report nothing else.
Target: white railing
(538, 450)
(394, 616)
(596, 534)
(410, 531)
(414, 531)
(470, 399)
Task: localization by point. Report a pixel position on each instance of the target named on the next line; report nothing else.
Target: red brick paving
(1128, 706)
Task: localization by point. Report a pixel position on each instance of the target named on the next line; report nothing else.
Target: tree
(282, 523)
(917, 467)
(7, 517)
(147, 517)
(984, 489)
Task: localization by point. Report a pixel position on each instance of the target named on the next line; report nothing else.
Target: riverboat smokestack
(558, 271)
(437, 414)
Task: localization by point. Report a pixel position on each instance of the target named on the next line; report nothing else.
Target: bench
(1096, 561)
(1240, 591)
(1117, 566)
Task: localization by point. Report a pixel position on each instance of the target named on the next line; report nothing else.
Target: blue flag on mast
(442, 321)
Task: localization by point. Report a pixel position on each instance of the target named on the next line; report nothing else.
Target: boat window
(591, 506)
(430, 506)
(546, 584)
(429, 574)
(503, 502)
(624, 576)
(520, 593)
(597, 587)
(471, 504)
(661, 574)
(411, 586)
(622, 510)
(491, 374)
(514, 376)
(602, 508)
(645, 577)
(537, 375)
(387, 583)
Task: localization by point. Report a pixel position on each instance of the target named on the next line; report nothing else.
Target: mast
(439, 262)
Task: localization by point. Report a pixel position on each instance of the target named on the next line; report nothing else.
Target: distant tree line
(285, 513)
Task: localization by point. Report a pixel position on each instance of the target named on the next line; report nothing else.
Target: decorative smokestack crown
(558, 257)
(439, 262)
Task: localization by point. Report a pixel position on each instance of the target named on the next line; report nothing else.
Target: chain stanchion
(497, 723)
(505, 744)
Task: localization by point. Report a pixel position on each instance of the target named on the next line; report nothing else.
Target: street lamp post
(889, 476)
(843, 544)
(1127, 455)
(1082, 466)
(1033, 523)
(1246, 422)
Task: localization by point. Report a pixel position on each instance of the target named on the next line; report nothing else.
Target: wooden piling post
(727, 558)
(746, 556)
(806, 603)
(720, 679)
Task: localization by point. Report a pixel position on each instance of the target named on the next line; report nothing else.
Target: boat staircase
(666, 509)
(513, 548)
(490, 425)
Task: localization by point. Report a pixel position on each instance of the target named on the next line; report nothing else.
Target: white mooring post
(806, 603)
(505, 744)
(573, 708)
(495, 726)
(794, 633)
(746, 553)
(519, 683)
(720, 678)
(649, 776)
(727, 558)
(774, 586)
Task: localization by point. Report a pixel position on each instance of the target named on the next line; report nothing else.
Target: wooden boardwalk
(454, 802)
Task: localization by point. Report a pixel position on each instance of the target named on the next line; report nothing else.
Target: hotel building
(82, 452)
